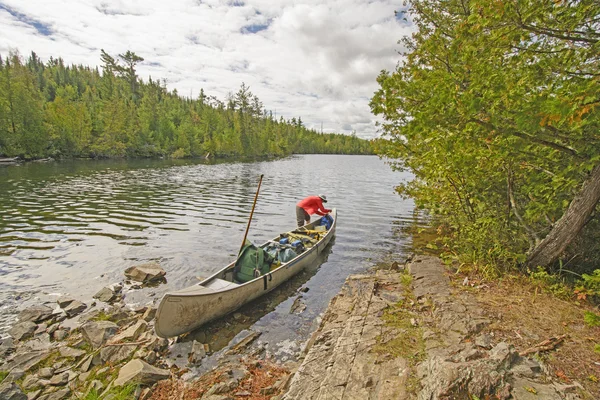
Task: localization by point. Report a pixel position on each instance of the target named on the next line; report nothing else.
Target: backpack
(252, 263)
(326, 221)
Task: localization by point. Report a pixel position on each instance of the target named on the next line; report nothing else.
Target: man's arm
(322, 210)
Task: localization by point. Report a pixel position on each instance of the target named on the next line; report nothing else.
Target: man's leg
(300, 216)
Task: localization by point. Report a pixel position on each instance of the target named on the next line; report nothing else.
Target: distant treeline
(56, 110)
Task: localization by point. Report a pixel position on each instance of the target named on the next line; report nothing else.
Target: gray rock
(484, 341)
(25, 361)
(74, 308)
(151, 358)
(83, 377)
(52, 328)
(149, 314)
(138, 371)
(60, 334)
(298, 306)
(41, 328)
(98, 332)
(64, 301)
(14, 375)
(131, 333)
(10, 391)
(59, 395)
(30, 382)
(34, 395)
(221, 387)
(35, 314)
(197, 352)
(504, 354)
(116, 354)
(96, 385)
(70, 352)
(40, 342)
(46, 373)
(6, 348)
(60, 379)
(145, 273)
(526, 368)
(22, 330)
(106, 295)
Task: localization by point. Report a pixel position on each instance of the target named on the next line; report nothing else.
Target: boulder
(10, 391)
(140, 372)
(22, 330)
(106, 295)
(74, 308)
(98, 332)
(145, 273)
(35, 314)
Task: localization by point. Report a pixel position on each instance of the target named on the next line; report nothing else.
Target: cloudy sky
(310, 58)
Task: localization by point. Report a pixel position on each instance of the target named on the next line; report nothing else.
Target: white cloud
(306, 58)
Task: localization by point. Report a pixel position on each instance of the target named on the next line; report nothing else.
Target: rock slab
(145, 273)
(140, 372)
(98, 332)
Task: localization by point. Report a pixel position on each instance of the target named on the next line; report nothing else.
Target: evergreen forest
(65, 111)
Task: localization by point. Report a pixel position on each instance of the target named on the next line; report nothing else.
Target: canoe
(218, 295)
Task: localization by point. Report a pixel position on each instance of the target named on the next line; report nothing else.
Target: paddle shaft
(251, 214)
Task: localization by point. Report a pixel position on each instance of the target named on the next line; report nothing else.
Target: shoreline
(397, 331)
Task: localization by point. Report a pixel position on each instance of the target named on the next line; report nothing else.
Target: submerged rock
(299, 306)
(145, 273)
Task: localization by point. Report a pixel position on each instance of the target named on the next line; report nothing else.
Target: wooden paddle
(251, 213)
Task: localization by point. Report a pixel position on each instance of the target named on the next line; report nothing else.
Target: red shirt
(313, 205)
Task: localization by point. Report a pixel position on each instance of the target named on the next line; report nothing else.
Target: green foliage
(65, 111)
(591, 319)
(3, 374)
(117, 393)
(592, 282)
(550, 283)
(495, 109)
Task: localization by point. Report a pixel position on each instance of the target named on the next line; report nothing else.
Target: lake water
(73, 227)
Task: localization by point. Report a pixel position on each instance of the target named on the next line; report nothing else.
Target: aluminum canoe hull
(190, 308)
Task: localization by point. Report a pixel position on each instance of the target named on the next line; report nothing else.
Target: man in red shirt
(309, 206)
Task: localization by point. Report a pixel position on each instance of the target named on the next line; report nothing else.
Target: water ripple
(76, 226)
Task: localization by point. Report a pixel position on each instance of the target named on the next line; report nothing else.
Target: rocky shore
(399, 332)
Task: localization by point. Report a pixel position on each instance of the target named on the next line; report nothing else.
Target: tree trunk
(569, 225)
